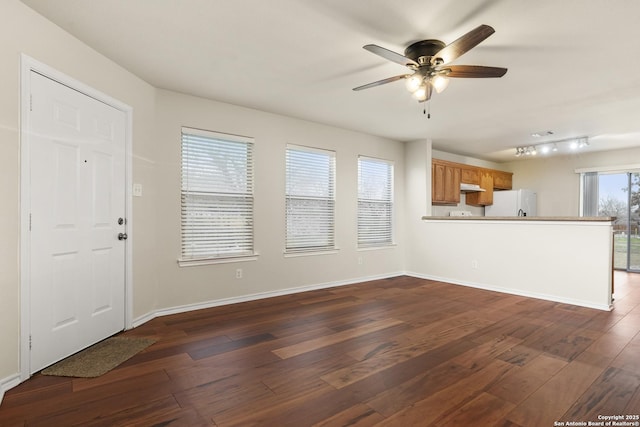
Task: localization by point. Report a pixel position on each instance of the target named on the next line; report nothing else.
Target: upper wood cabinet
(482, 198)
(502, 180)
(445, 183)
(446, 178)
(470, 175)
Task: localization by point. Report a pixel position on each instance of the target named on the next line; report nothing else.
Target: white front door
(77, 196)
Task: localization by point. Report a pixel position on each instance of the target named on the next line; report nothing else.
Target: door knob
(122, 236)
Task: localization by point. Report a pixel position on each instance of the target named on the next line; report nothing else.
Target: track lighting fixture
(552, 146)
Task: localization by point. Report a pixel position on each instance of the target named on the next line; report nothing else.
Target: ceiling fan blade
(391, 55)
(474, 71)
(463, 44)
(382, 82)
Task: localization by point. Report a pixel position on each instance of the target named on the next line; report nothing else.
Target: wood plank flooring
(393, 352)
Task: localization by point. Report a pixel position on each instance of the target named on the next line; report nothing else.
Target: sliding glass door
(618, 195)
(634, 222)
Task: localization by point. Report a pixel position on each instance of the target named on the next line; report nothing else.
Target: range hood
(470, 187)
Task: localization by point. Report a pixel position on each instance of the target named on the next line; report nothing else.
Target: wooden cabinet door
(437, 183)
(486, 182)
(470, 175)
(482, 198)
(445, 184)
(502, 180)
(452, 185)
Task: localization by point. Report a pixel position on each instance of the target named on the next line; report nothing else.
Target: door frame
(27, 65)
(629, 186)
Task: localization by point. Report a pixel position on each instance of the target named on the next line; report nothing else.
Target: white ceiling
(573, 64)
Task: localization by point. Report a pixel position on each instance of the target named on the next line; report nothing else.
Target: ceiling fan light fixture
(439, 82)
(413, 82)
(421, 93)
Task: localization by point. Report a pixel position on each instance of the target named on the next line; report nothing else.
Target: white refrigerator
(512, 203)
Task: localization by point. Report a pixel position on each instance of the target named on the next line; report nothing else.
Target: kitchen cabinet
(446, 178)
(445, 183)
(470, 175)
(482, 198)
(502, 180)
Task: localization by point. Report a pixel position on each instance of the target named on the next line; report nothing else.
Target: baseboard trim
(8, 383)
(546, 297)
(251, 297)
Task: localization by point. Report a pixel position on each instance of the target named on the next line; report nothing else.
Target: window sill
(378, 247)
(310, 253)
(210, 261)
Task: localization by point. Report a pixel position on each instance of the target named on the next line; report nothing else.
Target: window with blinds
(217, 195)
(310, 199)
(375, 202)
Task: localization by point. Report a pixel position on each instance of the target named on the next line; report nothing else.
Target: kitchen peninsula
(563, 259)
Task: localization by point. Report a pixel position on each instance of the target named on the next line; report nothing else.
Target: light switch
(137, 190)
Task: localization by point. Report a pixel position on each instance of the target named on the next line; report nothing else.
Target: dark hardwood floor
(394, 352)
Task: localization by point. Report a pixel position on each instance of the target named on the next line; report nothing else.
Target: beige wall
(555, 181)
(272, 271)
(466, 160)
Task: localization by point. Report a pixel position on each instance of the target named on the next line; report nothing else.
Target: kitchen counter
(561, 259)
(522, 218)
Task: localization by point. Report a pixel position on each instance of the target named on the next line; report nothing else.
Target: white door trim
(27, 65)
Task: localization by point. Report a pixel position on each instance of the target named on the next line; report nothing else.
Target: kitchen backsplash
(462, 206)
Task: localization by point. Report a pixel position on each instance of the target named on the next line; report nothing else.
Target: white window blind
(217, 195)
(310, 200)
(375, 202)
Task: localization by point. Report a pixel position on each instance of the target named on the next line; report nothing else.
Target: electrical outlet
(474, 263)
(359, 260)
(238, 273)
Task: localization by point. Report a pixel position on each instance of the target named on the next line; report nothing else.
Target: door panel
(64, 275)
(77, 183)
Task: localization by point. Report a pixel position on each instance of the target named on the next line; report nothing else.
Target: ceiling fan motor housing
(423, 49)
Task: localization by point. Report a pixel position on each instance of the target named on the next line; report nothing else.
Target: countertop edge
(522, 218)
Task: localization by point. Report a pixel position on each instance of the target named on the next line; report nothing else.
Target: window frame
(389, 223)
(293, 245)
(219, 200)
